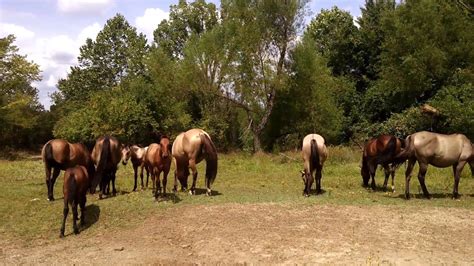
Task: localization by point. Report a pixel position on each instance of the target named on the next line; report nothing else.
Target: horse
(314, 153)
(440, 151)
(136, 154)
(106, 155)
(157, 159)
(58, 154)
(189, 149)
(382, 150)
(76, 183)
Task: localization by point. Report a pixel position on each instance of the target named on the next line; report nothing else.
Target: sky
(50, 32)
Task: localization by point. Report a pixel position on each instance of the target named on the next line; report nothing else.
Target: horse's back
(76, 182)
(306, 148)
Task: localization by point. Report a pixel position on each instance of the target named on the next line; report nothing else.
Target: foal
(136, 154)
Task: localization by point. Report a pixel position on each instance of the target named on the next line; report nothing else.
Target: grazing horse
(190, 148)
(106, 155)
(438, 150)
(382, 150)
(314, 153)
(136, 154)
(157, 159)
(77, 181)
(58, 154)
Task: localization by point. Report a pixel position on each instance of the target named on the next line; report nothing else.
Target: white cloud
(84, 6)
(20, 32)
(90, 31)
(150, 20)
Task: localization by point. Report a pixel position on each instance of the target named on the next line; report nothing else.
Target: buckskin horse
(58, 154)
(157, 160)
(190, 148)
(440, 151)
(314, 153)
(106, 155)
(136, 154)
(382, 150)
(77, 181)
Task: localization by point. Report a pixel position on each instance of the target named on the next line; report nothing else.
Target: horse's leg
(392, 172)
(386, 169)
(158, 184)
(82, 204)
(471, 164)
(421, 178)
(411, 163)
(65, 212)
(74, 218)
(175, 185)
(457, 176)
(153, 177)
(51, 183)
(135, 173)
(192, 165)
(165, 179)
(113, 175)
(141, 175)
(47, 169)
(318, 180)
(372, 170)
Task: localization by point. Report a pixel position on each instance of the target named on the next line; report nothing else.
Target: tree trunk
(257, 145)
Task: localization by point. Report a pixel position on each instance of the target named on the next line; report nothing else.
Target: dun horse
(190, 148)
(106, 155)
(136, 154)
(157, 160)
(77, 181)
(315, 154)
(438, 150)
(58, 154)
(382, 150)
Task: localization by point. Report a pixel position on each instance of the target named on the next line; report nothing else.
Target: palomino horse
(315, 154)
(136, 154)
(190, 148)
(438, 150)
(106, 155)
(60, 155)
(77, 181)
(157, 160)
(382, 150)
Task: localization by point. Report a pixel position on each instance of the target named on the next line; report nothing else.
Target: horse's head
(165, 146)
(125, 150)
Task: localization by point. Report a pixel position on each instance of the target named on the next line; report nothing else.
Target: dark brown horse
(106, 156)
(439, 150)
(58, 154)
(314, 153)
(77, 181)
(382, 150)
(136, 154)
(157, 160)
(190, 148)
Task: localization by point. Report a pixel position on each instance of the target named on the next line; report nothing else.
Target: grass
(242, 178)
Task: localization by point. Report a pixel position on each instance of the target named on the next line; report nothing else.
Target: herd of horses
(85, 170)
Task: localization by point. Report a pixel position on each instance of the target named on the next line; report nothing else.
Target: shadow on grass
(200, 191)
(172, 197)
(378, 188)
(432, 196)
(92, 216)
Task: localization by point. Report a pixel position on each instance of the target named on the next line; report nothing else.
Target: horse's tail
(103, 156)
(48, 154)
(210, 152)
(71, 186)
(314, 157)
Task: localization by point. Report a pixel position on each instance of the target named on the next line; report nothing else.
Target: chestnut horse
(106, 155)
(314, 153)
(438, 150)
(190, 148)
(58, 154)
(157, 160)
(382, 150)
(77, 181)
(136, 154)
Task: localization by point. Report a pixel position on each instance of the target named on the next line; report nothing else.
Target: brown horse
(438, 150)
(106, 156)
(314, 153)
(76, 183)
(190, 148)
(382, 150)
(58, 154)
(136, 154)
(157, 160)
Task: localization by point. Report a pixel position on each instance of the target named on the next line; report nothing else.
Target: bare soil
(268, 234)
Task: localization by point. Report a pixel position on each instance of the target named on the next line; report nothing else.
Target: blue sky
(50, 32)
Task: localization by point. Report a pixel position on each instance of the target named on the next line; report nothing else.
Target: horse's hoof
(407, 197)
(61, 235)
(306, 194)
(76, 231)
(209, 193)
(192, 192)
(51, 199)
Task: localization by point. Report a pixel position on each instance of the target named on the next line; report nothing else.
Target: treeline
(255, 77)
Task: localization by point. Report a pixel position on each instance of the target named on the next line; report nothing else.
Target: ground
(267, 234)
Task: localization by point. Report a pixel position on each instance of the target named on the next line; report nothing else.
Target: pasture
(257, 214)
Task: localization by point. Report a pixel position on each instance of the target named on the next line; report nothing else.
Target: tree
(19, 105)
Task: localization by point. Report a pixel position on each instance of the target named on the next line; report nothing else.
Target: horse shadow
(378, 188)
(421, 196)
(313, 192)
(200, 191)
(171, 197)
(92, 216)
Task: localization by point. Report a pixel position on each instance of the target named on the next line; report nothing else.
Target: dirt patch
(268, 234)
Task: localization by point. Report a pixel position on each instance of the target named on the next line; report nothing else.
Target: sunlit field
(242, 178)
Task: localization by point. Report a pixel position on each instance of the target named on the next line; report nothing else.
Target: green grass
(242, 178)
